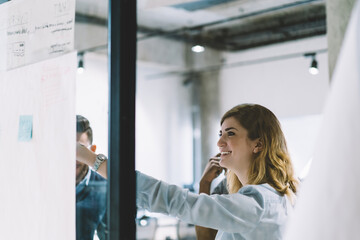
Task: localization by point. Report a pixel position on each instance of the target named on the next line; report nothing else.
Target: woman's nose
(221, 142)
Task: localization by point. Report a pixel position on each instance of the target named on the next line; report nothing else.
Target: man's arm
(85, 155)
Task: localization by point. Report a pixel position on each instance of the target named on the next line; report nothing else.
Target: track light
(314, 67)
(197, 48)
(314, 64)
(80, 69)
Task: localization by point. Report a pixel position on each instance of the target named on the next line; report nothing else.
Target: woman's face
(236, 149)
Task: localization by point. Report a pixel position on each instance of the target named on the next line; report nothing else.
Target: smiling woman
(260, 176)
(263, 157)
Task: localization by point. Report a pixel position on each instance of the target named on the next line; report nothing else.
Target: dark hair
(83, 126)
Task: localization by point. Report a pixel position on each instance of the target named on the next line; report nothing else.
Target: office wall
(284, 86)
(163, 126)
(92, 97)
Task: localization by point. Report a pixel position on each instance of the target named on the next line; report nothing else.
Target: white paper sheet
(31, 31)
(37, 149)
(329, 203)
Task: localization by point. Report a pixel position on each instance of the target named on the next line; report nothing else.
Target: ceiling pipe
(199, 27)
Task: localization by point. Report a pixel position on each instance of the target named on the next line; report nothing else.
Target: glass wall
(92, 108)
(198, 59)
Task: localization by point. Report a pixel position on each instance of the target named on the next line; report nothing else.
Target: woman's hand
(212, 171)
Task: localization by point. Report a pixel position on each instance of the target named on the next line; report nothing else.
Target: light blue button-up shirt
(255, 212)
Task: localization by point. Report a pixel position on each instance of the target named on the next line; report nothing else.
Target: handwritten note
(25, 128)
(31, 31)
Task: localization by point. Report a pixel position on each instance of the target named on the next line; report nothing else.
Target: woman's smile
(225, 154)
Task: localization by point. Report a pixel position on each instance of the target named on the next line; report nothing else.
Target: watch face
(102, 157)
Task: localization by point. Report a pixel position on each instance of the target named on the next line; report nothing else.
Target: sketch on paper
(31, 31)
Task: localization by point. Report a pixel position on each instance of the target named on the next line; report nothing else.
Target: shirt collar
(84, 182)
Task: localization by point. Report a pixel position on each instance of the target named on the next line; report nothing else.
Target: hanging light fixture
(80, 69)
(314, 67)
(314, 64)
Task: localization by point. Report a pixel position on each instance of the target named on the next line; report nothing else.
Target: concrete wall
(337, 17)
(205, 105)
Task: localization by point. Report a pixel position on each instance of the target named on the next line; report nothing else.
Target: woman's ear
(258, 146)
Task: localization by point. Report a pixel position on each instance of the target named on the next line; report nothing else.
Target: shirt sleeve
(221, 188)
(233, 213)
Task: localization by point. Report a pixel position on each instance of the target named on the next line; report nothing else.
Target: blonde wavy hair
(272, 164)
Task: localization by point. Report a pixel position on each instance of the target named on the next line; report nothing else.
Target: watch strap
(100, 158)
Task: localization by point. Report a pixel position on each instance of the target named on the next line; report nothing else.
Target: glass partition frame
(122, 83)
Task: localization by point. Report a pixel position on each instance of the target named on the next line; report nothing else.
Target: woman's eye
(220, 134)
(230, 133)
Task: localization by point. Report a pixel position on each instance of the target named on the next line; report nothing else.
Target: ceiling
(227, 25)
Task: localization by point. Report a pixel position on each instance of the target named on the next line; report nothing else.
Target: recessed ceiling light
(198, 48)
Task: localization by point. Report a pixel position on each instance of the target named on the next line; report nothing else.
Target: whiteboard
(329, 201)
(37, 148)
(31, 31)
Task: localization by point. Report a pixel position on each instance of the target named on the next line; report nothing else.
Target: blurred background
(196, 60)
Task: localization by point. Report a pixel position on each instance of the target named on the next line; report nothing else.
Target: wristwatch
(100, 158)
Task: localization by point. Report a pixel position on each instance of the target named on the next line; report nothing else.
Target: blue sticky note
(25, 128)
